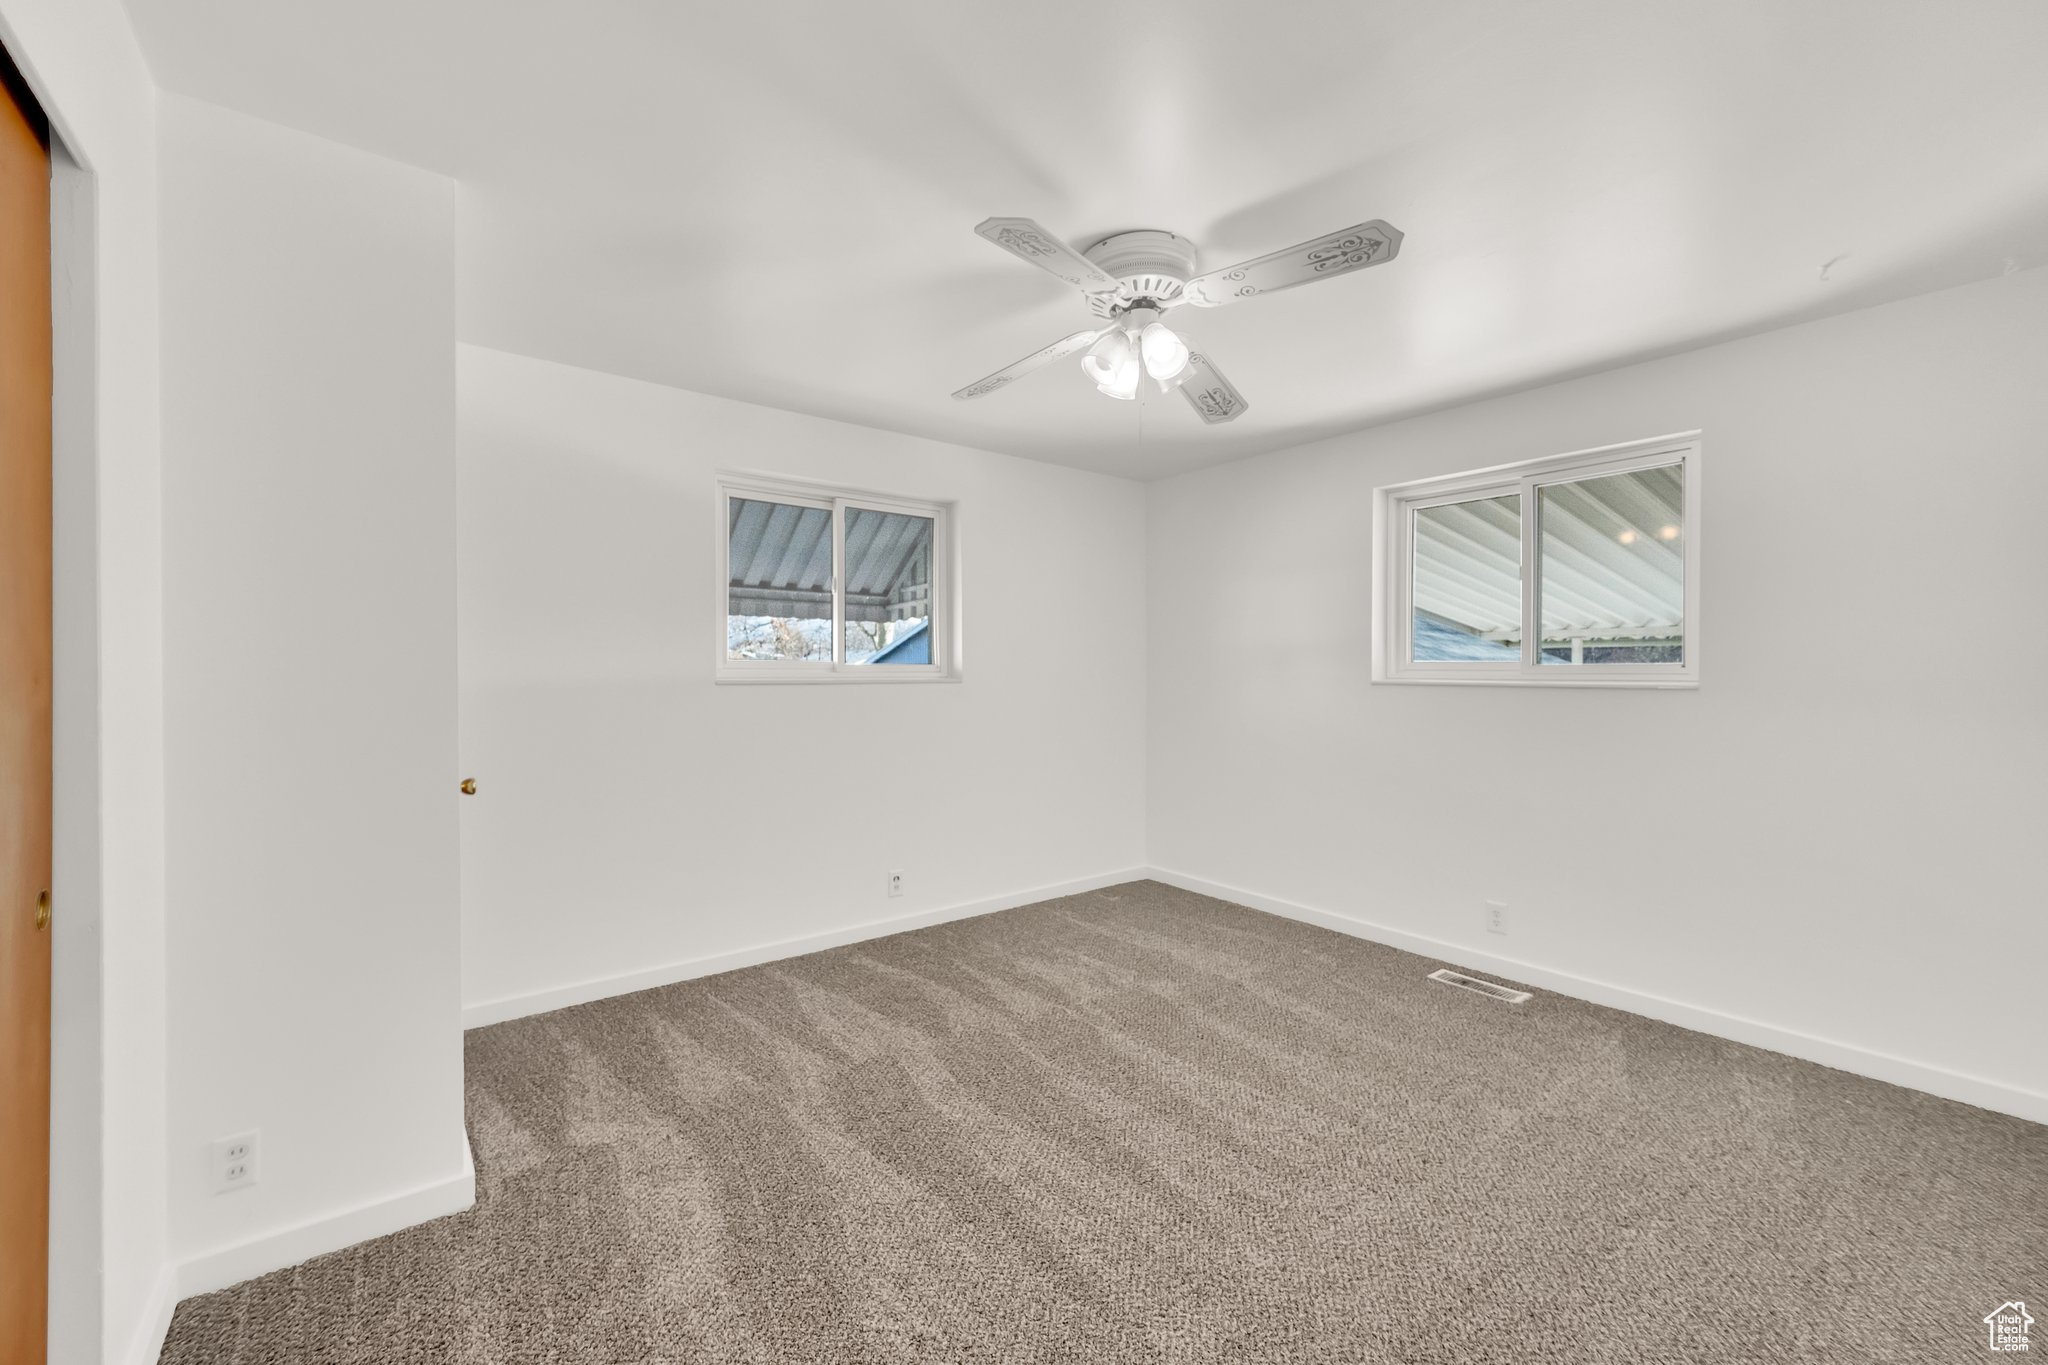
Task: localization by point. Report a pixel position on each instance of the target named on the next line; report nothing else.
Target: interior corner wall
(1836, 836)
(308, 297)
(107, 1250)
(637, 822)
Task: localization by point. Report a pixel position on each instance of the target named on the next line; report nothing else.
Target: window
(1579, 569)
(825, 585)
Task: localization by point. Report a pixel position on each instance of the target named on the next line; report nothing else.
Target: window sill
(827, 678)
(1650, 684)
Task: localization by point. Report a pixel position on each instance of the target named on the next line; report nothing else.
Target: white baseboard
(148, 1343)
(204, 1273)
(208, 1271)
(272, 1251)
(1883, 1066)
(600, 988)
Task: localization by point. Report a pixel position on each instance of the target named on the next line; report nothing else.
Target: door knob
(469, 786)
(43, 909)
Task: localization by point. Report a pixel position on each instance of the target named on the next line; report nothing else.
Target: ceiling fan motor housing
(1147, 263)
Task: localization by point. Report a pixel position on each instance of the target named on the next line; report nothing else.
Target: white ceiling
(773, 201)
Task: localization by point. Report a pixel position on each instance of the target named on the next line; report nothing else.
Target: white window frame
(1394, 508)
(945, 623)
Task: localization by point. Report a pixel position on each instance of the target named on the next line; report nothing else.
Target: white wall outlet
(234, 1162)
(1496, 917)
(896, 882)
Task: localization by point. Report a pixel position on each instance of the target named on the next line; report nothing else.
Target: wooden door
(24, 725)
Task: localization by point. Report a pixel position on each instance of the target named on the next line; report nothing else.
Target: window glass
(779, 599)
(1467, 605)
(888, 587)
(1611, 555)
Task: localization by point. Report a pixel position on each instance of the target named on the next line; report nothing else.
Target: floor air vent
(1473, 983)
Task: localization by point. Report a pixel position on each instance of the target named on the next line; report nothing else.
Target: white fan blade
(1209, 393)
(1027, 241)
(1325, 258)
(1065, 346)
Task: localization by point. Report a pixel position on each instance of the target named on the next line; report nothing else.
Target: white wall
(309, 614)
(1838, 834)
(633, 815)
(107, 1250)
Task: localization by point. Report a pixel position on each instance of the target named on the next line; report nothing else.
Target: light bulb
(1123, 382)
(1166, 355)
(1667, 533)
(1107, 356)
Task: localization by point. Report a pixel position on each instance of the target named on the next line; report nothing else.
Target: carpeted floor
(1140, 1125)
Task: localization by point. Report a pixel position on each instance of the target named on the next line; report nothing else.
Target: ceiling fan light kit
(1131, 279)
(1135, 341)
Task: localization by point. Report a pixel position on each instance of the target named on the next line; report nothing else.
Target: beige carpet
(1141, 1125)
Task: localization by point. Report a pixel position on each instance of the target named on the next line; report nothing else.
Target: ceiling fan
(1131, 279)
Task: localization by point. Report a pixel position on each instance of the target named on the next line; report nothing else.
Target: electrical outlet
(1496, 917)
(896, 882)
(234, 1162)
